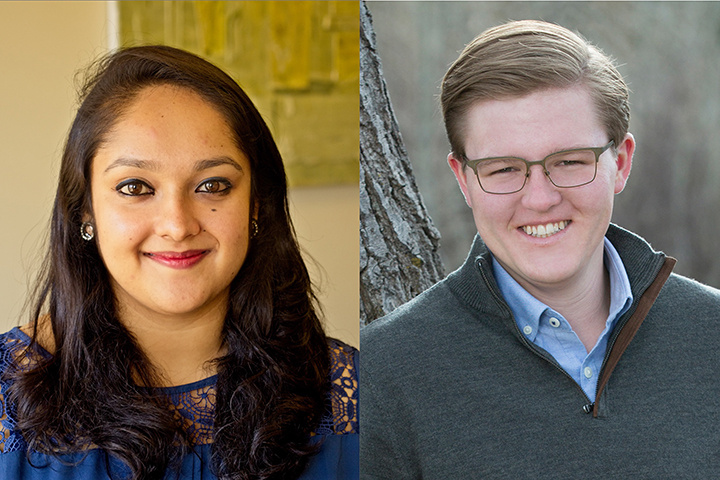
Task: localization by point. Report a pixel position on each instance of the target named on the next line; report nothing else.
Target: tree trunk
(398, 242)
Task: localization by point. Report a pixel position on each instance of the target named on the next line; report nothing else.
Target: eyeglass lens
(565, 169)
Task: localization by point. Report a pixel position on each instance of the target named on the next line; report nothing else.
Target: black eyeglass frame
(596, 150)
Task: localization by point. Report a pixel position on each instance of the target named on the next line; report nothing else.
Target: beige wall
(327, 223)
(42, 45)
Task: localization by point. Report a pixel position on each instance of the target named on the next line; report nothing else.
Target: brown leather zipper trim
(633, 325)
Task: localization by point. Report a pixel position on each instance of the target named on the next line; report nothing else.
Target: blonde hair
(518, 58)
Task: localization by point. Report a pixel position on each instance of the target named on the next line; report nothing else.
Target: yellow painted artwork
(298, 61)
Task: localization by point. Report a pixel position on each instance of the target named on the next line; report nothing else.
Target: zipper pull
(588, 408)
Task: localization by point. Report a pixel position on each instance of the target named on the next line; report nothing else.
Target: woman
(174, 333)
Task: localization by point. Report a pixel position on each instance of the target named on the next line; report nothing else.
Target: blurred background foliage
(668, 52)
(297, 60)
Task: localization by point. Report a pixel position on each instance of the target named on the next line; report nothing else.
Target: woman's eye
(213, 185)
(133, 188)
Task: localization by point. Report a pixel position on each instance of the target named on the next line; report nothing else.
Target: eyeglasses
(565, 169)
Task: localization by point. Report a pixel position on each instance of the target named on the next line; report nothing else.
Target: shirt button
(527, 330)
(588, 372)
(554, 322)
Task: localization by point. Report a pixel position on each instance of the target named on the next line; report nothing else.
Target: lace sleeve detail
(341, 417)
(11, 346)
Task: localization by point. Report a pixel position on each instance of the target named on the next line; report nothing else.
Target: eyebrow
(153, 166)
(554, 152)
(132, 162)
(216, 162)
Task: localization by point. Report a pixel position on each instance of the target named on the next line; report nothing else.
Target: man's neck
(584, 302)
(585, 308)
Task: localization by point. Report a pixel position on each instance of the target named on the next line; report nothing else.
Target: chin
(549, 273)
(179, 307)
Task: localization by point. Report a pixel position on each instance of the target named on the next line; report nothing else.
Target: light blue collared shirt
(547, 329)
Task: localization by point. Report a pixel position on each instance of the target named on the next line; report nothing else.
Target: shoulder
(341, 354)
(404, 346)
(435, 302)
(6, 347)
(341, 417)
(684, 311)
(343, 372)
(464, 293)
(12, 344)
(685, 294)
(432, 319)
(685, 285)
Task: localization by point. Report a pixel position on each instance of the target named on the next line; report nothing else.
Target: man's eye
(505, 170)
(134, 187)
(214, 185)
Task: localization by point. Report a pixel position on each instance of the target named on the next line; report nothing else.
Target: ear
(624, 161)
(458, 168)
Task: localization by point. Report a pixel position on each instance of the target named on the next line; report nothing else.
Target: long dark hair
(272, 382)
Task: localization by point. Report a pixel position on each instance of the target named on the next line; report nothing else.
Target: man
(564, 347)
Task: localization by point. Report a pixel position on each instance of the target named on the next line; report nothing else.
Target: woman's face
(171, 205)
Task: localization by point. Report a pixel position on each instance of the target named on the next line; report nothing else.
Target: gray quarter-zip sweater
(451, 389)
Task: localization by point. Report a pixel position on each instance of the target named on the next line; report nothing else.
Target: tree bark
(398, 241)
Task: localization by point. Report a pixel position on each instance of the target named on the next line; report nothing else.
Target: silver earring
(254, 227)
(87, 231)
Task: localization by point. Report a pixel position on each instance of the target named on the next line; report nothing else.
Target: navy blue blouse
(338, 457)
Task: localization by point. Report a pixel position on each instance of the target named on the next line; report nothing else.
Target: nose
(539, 193)
(176, 218)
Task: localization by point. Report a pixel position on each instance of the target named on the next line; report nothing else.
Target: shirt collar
(527, 310)
(621, 296)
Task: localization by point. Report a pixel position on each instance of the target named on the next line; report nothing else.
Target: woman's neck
(181, 348)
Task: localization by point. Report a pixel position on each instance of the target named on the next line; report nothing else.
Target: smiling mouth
(178, 260)
(544, 231)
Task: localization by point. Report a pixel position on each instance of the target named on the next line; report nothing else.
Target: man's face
(532, 127)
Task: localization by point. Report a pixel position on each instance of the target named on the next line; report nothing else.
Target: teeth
(544, 231)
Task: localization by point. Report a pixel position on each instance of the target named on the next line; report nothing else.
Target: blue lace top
(338, 457)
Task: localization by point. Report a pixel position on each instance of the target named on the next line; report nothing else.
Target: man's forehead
(531, 124)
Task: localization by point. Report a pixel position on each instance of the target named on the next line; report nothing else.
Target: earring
(254, 227)
(87, 231)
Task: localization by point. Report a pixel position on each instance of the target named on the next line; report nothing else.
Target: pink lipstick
(178, 260)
